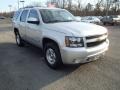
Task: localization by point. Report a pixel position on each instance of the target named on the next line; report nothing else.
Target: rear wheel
(52, 55)
(19, 40)
(112, 24)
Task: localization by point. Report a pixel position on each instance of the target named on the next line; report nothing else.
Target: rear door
(15, 19)
(22, 24)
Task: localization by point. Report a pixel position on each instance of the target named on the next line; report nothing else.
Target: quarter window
(16, 15)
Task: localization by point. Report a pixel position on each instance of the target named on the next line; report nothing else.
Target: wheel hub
(51, 56)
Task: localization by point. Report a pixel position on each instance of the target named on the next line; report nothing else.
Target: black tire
(104, 23)
(58, 61)
(113, 24)
(19, 40)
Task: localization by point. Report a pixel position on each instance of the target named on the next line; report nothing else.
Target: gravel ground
(25, 69)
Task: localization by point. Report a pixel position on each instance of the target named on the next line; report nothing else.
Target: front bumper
(82, 55)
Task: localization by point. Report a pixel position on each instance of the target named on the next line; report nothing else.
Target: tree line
(99, 8)
(78, 8)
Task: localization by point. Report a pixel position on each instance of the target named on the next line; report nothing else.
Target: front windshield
(55, 15)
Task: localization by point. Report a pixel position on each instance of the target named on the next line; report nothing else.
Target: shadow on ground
(25, 69)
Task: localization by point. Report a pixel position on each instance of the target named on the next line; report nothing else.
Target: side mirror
(33, 21)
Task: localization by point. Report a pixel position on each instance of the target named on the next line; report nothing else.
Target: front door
(33, 31)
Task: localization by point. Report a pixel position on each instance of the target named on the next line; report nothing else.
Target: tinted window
(24, 16)
(33, 14)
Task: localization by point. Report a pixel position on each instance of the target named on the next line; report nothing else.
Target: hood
(77, 28)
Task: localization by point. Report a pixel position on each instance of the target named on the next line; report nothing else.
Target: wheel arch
(48, 40)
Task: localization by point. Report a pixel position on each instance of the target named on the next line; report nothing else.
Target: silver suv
(63, 40)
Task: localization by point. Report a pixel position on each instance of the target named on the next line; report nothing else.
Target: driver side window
(33, 14)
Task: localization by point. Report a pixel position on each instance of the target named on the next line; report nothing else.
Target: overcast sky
(5, 3)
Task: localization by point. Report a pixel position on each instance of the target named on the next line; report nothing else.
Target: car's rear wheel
(112, 24)
(52, 55)
(19, 40)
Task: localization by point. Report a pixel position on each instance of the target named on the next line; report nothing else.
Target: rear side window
(24, 16)
(16, 15)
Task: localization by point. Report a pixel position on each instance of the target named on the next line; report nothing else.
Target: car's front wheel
(52, 55)
(104, 23)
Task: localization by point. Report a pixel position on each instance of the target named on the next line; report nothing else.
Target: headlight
(74, 42)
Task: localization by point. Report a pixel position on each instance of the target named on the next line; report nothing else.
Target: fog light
(76, 61)
(88, 59)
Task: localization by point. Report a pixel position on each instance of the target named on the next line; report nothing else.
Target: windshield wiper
(54, 21)
(57, 21)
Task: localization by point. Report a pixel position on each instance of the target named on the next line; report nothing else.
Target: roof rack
(33, 7)
(29, 7)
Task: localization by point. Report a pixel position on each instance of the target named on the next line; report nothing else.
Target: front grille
(95, 40)
(92, 44)
(96, 36)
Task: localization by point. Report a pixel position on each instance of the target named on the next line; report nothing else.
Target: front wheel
(104, 23)
(52, 55)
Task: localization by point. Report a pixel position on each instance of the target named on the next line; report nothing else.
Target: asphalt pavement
(25, 69)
